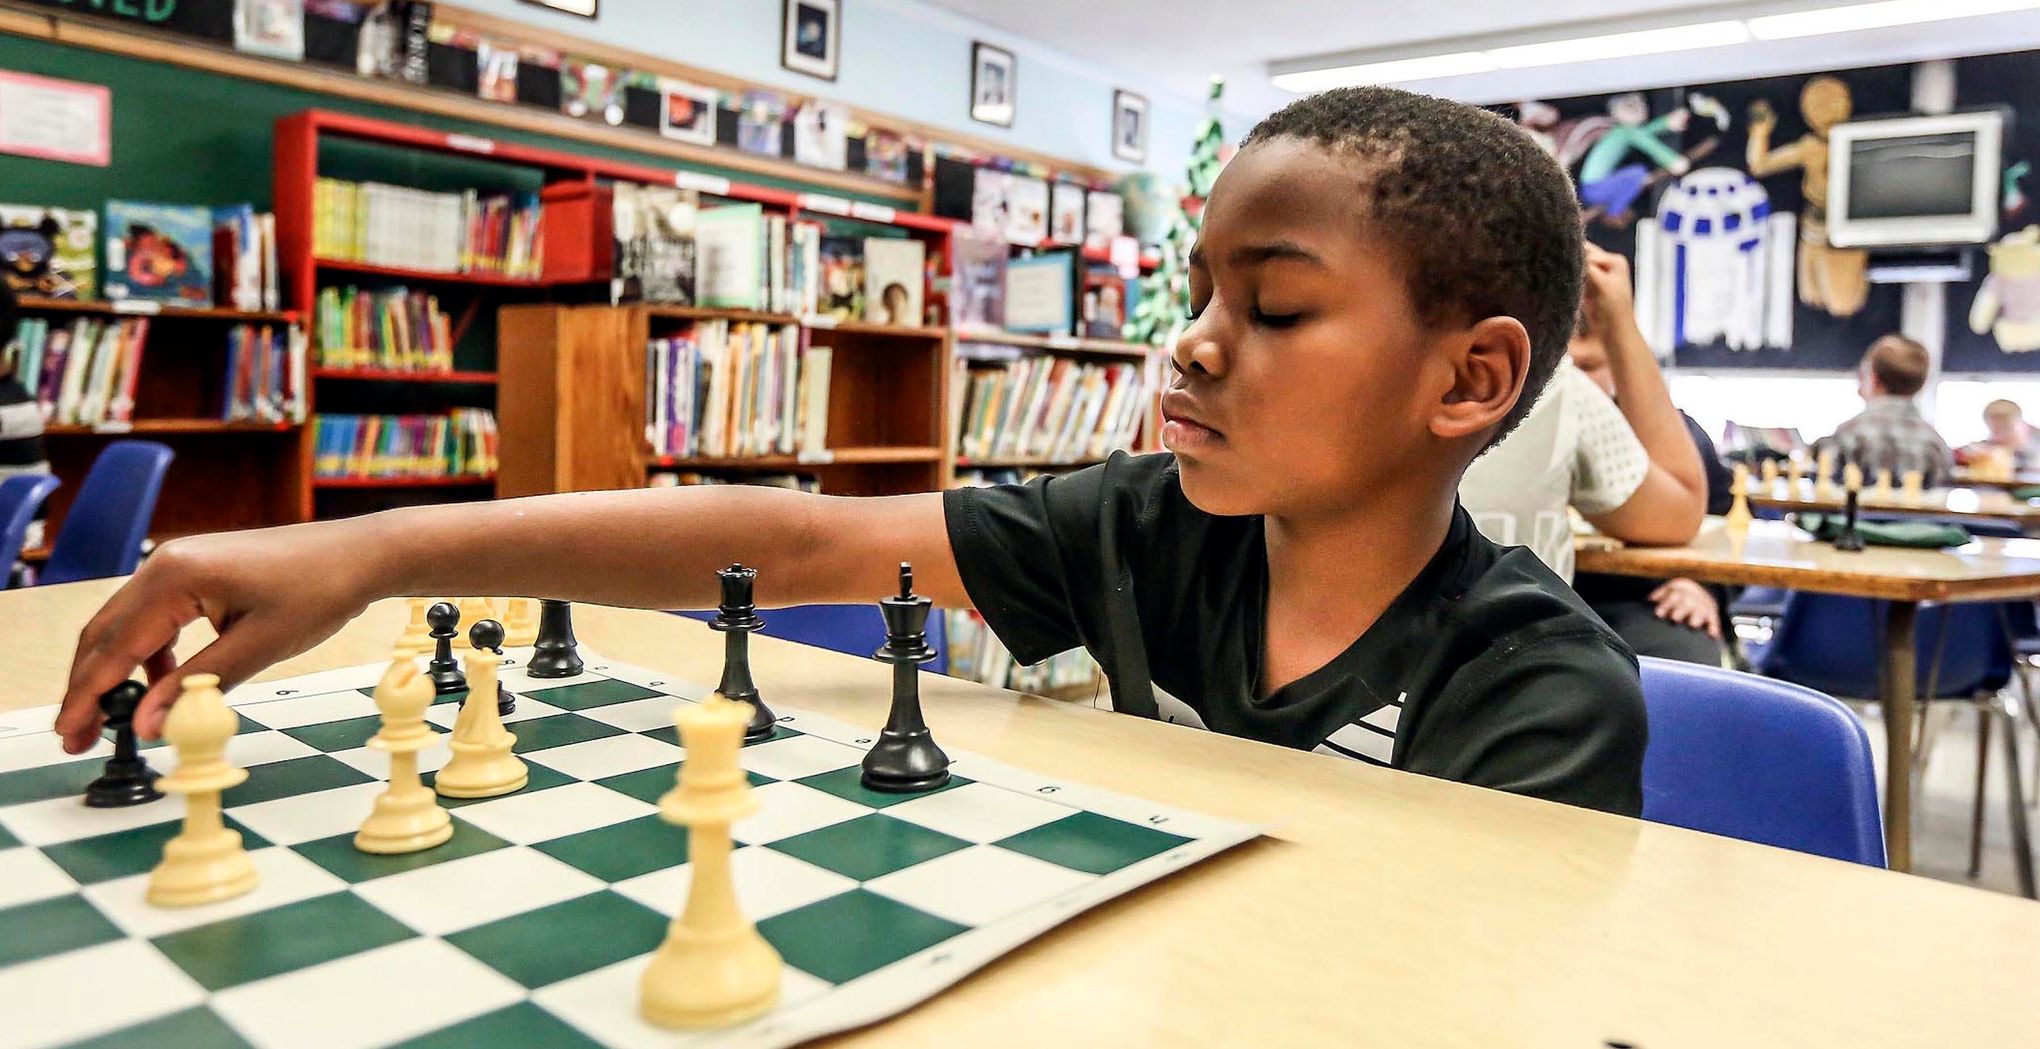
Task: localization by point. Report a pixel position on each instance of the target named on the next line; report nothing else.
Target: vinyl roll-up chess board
(532, 925)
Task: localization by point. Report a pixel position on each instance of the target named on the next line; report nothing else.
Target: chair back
(1765, 761)
(1835, 645)
(103, 531)
(858, 630)
(20, 496)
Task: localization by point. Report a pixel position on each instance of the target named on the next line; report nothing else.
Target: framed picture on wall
(1129, 126)
(687, 112)
(584, 8)
(810, 31)
(992, 74)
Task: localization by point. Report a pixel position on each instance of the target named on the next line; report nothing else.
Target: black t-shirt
(1486, 669)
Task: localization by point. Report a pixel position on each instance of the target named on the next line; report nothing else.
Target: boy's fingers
(243, 647)
(109, 650)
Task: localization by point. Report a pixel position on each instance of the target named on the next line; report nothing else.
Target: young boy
(2010, 437)
(1890, 433)
(1383, 282)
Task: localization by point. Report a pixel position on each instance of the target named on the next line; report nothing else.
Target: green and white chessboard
(531, 926)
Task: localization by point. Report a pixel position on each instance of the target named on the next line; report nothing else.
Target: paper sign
(55, 119)
(825, 204)
(712, 185)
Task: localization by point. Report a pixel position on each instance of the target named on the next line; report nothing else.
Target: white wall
(899, 57)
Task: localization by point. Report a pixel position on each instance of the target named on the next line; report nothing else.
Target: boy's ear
(1489, 362)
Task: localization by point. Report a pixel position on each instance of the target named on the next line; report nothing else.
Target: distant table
(2021, 479)
(1775, 553)
(1986, 504)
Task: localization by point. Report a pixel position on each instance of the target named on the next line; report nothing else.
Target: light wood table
(1979, 504)
(2021, 479)
(1384, 908)
(1775, 553)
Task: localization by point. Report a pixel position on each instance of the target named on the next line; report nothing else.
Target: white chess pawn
(520, 623)
(1739, 517)
(407, 816)
(713, 970)
(1882, 491)
(205, 863)
(1769, 473)
(1795, 473)
(416, 640)
(484, 763)
(1915, 486)
(1852, 478)
(1823, 476)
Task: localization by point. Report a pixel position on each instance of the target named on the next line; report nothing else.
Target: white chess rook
(205, 863)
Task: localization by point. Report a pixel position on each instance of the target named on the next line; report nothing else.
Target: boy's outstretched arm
(276, 592)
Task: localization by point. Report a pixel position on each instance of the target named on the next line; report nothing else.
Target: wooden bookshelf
(468, 378)
(411, 276)
(151, 308)
(463, 481)
(1027, 463)
(798, 463)
(716, 313)
(890, 331)
(1058, 343)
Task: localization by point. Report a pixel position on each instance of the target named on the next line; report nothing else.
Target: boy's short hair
(1486, 221)
(1899, 363)
(2004, 407)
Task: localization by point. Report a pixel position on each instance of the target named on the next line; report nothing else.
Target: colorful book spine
(498, 234)
(1052, 409)
(736, 390)
(461, 443)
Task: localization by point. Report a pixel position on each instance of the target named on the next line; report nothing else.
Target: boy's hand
(1687, 603)
(270, 594)
(1610, 299)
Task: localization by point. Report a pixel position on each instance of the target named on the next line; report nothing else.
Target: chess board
(531, 926)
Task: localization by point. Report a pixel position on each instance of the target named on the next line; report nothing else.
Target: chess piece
(1795, 473)
(554, 652)
(1824, 476)
(520, 622)
(1738, 518)
(1852, 477)
(204, 863)
(416, 640)
(1849, 540)
(1915, 486)
(713, 970)
(406, 817)
(444, 672)
(736, 618)
(128, 779)
(474, 610)
(905, 759)
(1882, 491)
(488, 634)
(1769, 473)
(484, 764)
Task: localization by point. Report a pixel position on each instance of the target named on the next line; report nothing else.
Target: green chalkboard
(193, 137)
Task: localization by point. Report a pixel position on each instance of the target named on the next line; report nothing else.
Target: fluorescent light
(1622, 45)
(1393, 72)
(1876, 16)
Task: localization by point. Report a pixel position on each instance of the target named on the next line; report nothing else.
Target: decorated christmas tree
(1165, 295)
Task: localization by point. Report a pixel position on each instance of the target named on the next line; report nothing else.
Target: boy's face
(2003, 423)
(1306, 380)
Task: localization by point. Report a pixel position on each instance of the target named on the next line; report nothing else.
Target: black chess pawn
(487, 635)
(1849, 540)
(444, 670)
(128, 779)
(905, 759)
(737, 617)
(554, 653)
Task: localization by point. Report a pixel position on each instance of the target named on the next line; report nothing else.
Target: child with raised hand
(1383, 284)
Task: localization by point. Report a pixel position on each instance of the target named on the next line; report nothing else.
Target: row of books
(975, 653)
(187, 254)
(723, 389)
(1052, 408)
(679, 478)
(398, 329)
(265, 374)
(460, 443)
(83, 373)
(746, 259)
(401, 227)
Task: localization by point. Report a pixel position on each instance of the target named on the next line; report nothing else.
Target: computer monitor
(1916, 181)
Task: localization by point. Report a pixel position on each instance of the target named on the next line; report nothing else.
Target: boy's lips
(1183, 427)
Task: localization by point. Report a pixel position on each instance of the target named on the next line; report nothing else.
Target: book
(500, 234)
(893, 280)
(83, 373)
(821, 133)
(729, 256)
(244, 254)
(1039, 296)
(813, 412)
(1026, 211)
(719, 389)
(271, 28)
(396, 329)
(463, 442)
(159, 251)
(1104, 219)
(51, 252)
(885, 155)
(842, 281)
(1050, 408)
(977, 281)
(761, 123)
(1106, 302)
(655, 246)
(265, 377)
(1066, 214)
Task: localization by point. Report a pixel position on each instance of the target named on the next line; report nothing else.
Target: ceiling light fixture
(1621, 45)
(1826, 20)
(1396, 71)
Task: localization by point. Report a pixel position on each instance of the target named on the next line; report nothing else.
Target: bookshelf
(225, 474)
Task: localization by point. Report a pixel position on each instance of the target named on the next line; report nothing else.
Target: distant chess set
(305, 855)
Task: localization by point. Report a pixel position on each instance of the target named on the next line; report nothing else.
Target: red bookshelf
(396, 375)
(403, 482)
(490, 280)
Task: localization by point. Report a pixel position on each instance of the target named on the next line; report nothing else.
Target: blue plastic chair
(1765, 761)
(20, 497)
(1834, 644)
(103, 531)
(858, 630)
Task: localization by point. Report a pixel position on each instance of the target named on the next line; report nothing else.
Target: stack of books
(381, 225)
(976, 654)
(746, 259)
(461, 443)
(398, 330)
(1053, 409)
(83, 373)
(265, 374)
(722, 390)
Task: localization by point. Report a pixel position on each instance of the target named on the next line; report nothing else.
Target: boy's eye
(1275, 320)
